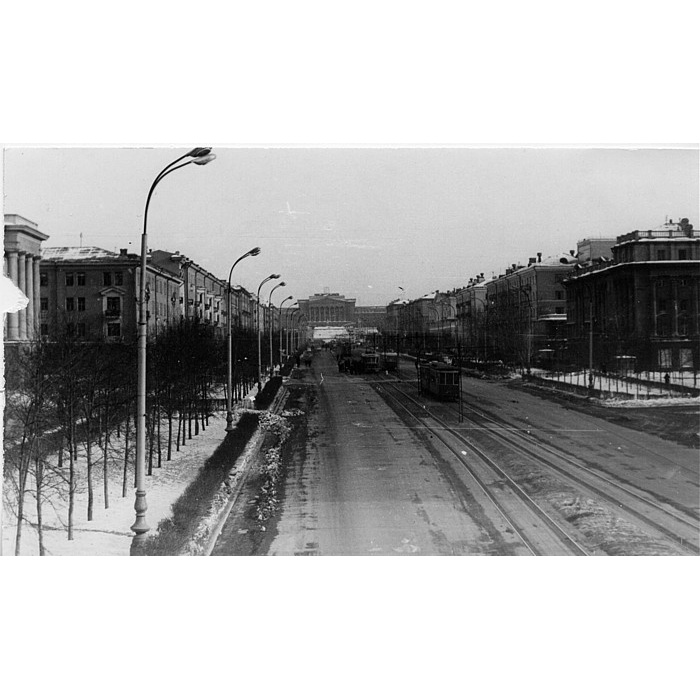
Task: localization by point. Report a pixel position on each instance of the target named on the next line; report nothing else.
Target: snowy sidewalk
(109, 532)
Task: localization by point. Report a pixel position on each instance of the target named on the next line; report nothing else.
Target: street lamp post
(198, 156)
(267, 279)
(290, 331)
(282, 303)
(229, 377)
(272, 325)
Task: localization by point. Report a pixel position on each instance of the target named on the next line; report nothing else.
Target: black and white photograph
(349, 351)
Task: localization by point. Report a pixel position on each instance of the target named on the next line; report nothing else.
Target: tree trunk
(126, 455)
(160, 449)
(179, 428)
(170, 436)
(149, 433)
(39, 496)
(88, 456)
(105, 473)
(71, 473)
(20, 505)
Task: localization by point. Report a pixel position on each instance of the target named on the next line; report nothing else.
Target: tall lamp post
(282, 303)
(290, 331)
(229, 377)
(272, 325)
(267, 279)
(198, 156)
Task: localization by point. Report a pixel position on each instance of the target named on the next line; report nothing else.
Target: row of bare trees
(69, 415)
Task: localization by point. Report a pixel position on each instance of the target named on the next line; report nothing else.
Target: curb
(242, 466)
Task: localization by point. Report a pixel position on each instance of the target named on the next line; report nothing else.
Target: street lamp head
(203, 160)
(282, 284)
(274, 277)
(253, 252)
(199, 152)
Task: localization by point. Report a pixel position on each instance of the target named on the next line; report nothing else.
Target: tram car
(439, 380)
(390, 361)
(369, 362)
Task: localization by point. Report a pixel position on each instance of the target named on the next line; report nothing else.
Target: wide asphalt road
(366, 484)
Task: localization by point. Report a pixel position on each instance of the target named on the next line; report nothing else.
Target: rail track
(664, 519)
(535, 528)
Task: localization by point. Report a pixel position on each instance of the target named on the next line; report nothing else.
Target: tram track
(676, 526)
(535, 528)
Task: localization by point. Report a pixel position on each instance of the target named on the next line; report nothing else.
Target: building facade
(21, 263)
(92, 293)
(203, 294)
(526, 312)
(328, 309)
(639, 310)
(371, 317)
(470, 305)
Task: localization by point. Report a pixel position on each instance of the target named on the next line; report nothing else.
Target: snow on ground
(109, 532)
(628, 392)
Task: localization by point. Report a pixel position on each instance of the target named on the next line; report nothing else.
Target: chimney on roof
(122, 252)
(539, 257)
(572, 253)
(531, 261)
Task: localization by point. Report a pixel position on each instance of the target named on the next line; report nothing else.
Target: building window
(119, 278)
(69, 279)
(682, 254)
(114, 330)
(81, 303)
(113, 306)
(70, 304)
(43, 279)
(665, 358)
(559, 310)
(44, 329)
(44, 303)
(70, 329)
(558, 295)
(686, 358)
(80, 279)
(106, 278)
(80, 330)
(661, 255)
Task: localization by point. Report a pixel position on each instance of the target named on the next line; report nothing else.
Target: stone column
(31, 309)
(13, 320)
(22, 284)
(37, 296)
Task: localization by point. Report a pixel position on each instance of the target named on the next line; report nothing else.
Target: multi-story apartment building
(526, 311)
(92, 293)
(639, 310)
(203, 294)
(22, 244)
(470, 303)
(370, 317)
(428, 322)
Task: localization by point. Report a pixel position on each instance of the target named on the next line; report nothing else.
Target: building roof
(78, 254)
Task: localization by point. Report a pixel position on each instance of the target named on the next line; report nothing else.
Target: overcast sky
(360, 222)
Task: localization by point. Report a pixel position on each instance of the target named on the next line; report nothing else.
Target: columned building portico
(22, 242)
